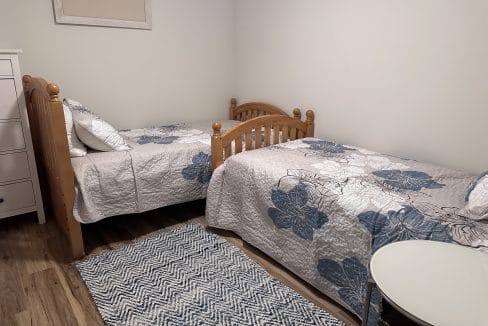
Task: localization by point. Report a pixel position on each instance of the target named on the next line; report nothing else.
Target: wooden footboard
(50, 141)
(266, 130)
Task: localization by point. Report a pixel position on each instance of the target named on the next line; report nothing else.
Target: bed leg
(367, 302)
(76, 241)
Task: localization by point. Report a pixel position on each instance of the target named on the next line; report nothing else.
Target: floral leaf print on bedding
(359, 195)
(200, 169)
(172, 128)
(156, 140)
(464, 231)
(318, 187)
(338, 171)
(408, 180)
(327, 147)
(376, 162)
(352, 280)
(406, 224)
(345, 189)
(293, 211)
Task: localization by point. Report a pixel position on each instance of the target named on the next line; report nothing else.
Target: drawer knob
(2, 200)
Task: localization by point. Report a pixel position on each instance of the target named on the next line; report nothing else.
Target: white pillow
(76, 147)
(93, 131)
(477, 198)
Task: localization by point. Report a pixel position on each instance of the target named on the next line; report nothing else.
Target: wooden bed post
(295, 133)
(217, 150)
(310, 123)
(297, 114)
(66, 177)
(233, 105)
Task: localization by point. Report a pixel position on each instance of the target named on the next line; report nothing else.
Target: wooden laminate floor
(39, 286)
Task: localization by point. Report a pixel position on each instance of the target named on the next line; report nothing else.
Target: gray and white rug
(189, 276)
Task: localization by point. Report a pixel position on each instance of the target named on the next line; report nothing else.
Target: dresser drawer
(16, 196)
(5, 68)
(9, 108)
(14, 166)
(11, 136)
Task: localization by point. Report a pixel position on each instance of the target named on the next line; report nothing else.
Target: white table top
(434, 282)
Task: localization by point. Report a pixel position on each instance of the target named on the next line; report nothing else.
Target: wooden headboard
(251, 110)
(46, 117)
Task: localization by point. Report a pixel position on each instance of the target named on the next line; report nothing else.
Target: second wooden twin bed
(322, 209)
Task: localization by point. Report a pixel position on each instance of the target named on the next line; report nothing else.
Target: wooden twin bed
(266, 123)
(321, 209)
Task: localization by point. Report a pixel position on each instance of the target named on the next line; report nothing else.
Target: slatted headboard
(251, 110)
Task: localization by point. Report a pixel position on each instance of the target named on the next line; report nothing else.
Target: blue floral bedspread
(322, 209)
(166, 165)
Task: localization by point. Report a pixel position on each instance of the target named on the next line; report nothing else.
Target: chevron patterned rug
(189, 276)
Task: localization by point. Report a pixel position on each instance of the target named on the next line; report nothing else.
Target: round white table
(433, 283)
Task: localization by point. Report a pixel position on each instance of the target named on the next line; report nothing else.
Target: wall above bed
(408, 78)
(181, 70)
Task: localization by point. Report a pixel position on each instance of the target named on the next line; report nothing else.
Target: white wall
(409, 78)
(181, 70)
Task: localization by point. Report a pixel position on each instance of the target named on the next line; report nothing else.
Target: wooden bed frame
(46, 116)
(284, 128)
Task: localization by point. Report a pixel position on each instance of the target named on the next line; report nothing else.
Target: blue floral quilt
(166, 165)
(322, 209)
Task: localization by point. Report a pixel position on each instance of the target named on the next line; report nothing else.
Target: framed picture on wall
(113, 13)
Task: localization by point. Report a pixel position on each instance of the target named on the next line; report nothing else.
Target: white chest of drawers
(19, 184)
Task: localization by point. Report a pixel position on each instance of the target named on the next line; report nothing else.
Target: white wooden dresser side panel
(12, 56)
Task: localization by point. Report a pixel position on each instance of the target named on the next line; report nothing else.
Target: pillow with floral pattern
(477, 198)
(93, 131)
(76, 147)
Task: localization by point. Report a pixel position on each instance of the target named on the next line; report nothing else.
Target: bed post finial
(26, 79)
(297, 114)
(216, 126)
(53, 91)
(217, 150)
(233, 105)
(310, 123)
